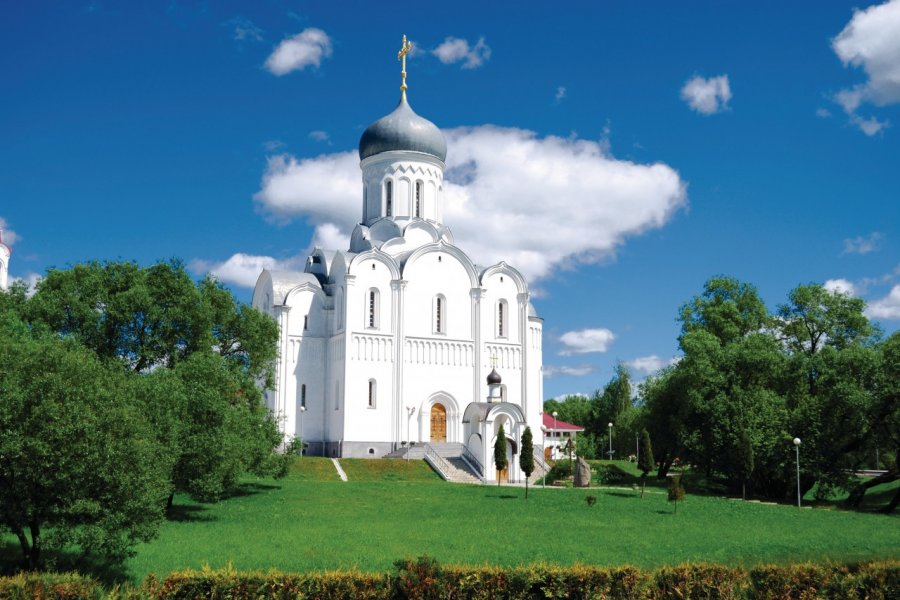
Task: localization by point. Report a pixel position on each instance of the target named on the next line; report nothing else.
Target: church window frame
(389, 198)
(439, 314)
(502, 319)
(373, 301)
(302, 395)
(373, 394)
(418, 199)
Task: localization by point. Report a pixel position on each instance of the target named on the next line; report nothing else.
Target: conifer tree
(500, 452)
(744, 460)
(676, 491)
(526, 458)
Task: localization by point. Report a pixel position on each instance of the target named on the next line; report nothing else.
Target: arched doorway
(438, 423)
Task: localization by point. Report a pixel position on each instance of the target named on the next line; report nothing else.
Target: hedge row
(424, 579)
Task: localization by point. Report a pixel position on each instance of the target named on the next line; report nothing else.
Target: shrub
(591, 500)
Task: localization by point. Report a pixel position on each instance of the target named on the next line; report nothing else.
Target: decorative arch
(505, 269)
(454, 432)
(449, 249)
(377, 255)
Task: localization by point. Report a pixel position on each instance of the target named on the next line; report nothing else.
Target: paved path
(340, 471)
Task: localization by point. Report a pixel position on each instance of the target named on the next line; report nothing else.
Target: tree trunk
(526, 486)
(643, 483)
(894, 502)
(858, 493)
(34, 558)
(23, 542)
(170, 501)
(743, 490)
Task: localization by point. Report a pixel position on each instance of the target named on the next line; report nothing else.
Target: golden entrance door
(438, 423)
(548, 452)
(503, 475)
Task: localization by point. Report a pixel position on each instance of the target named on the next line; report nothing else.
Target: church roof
(403, 129)
(284, 281)
(552, 424)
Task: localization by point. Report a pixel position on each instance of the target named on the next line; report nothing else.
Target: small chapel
(401, 339)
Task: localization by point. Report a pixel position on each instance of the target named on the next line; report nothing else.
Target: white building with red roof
(557, 435)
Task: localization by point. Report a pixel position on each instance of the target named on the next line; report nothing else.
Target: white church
(402, 339)
(5, 253)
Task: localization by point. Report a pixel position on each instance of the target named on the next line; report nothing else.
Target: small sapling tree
(526, 457)
(645, 461)
(744, 460)
(500, 453)
(676, 491)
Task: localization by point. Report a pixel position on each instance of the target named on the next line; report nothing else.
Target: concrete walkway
(340, 471)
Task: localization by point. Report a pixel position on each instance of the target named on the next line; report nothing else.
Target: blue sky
(619, 153)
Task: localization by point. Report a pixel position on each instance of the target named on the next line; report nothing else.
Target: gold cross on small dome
(405, 47)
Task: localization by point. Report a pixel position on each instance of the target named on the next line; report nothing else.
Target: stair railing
(438, 462)
(473, 462)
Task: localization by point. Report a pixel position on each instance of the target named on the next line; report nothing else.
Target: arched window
(502, 316)
(373, 390)
(502, 392)
(303, 396)
(440, 314)
(305, 322)
(372, 309)
(388, 198)
(418, 212)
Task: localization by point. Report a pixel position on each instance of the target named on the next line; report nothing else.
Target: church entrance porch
(438, 423)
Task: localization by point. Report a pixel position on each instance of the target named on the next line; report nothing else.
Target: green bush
(423, 578)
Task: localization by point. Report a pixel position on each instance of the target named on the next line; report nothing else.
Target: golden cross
(493, 361)
(405, 47)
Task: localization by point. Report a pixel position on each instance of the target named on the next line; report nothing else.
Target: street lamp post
(409, 413)
(544, 456)
(302, 410)
(797, 448)
(637, 447)
(554, 431)
(610, 442)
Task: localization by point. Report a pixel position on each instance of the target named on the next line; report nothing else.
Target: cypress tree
(500, 452)
(526, 457)
(744, 462)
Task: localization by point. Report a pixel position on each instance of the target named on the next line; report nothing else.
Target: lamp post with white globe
(797, 448)
(409, 413)
(302, 410)
(611, 451)
(554, 433)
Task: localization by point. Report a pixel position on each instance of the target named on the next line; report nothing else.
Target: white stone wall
(4, 267)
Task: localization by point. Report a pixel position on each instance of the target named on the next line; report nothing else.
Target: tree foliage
(500, 452)
(120, 385)
(78, 465)
(526, 457)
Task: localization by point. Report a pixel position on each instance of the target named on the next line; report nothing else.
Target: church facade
(392, 340)
(5, 254)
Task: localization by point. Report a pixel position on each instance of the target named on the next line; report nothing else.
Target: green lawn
(391, 509)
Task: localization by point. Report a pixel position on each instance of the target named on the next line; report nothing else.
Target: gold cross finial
(493, 361)
(405, 47)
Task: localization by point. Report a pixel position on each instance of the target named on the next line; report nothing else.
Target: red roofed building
(556, 435)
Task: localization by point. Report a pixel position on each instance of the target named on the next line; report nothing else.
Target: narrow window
(372, 314)
(305, 322)
(502, 393)
(501, 318)
(337, 395)
(440, 314)
(372, 392)
(303, 396)
(389, 198)
(418, 198)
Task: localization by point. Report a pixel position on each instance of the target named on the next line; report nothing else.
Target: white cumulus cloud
(537, 203)
(871, 41)
(579, 371)
(840, 286)
(307, 48)
(886, 308)
(862, 244)
(707, 96)
(241, 269)
(649, 364)
(583, 341)
(9, 236)
(455, 50)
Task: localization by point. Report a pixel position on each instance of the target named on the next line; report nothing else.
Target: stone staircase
(455, 468)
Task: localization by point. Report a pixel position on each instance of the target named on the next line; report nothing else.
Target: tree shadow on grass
(107, 572)
(502, 496)
(623, 494)
(189, 513)
(252, 488)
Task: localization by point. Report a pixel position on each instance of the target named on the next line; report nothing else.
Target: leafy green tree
(79, 466)
(526, 457)
(645, 460)
(500, 453)
(727, 309)
(200, 354)
(676, 491)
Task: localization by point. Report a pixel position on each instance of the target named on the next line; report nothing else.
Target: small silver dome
(403, 130)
